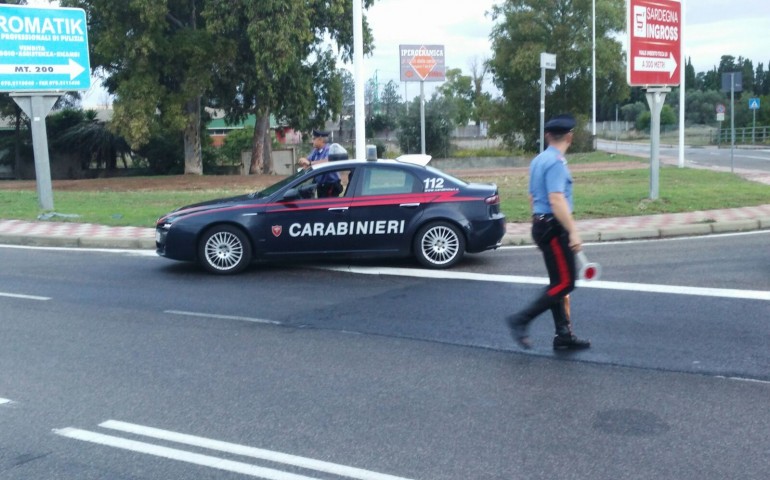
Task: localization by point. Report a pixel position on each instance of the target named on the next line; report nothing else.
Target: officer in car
(328, 185)
(556, 235)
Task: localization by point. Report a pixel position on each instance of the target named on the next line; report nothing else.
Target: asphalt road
(755, 159)
(378, 371)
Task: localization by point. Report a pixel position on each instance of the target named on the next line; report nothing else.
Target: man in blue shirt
(327, 185)
(555, 233)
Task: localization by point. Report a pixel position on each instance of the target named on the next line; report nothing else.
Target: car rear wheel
(439, 245)
(224, 250)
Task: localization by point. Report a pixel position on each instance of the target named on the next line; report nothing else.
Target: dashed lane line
(221, 317)
(24, 297)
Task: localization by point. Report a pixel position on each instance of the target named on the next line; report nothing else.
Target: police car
(384, 208)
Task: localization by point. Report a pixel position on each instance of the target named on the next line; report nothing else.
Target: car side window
(389, 181)
(308, 189)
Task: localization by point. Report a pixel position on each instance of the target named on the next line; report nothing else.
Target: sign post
(754, 106)
(654, 62)
(720, 118)
(422, 63)
(547, 61)
(732, 82)
(44, 53)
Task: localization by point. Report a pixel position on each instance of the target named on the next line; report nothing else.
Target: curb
(520, 239)
(79, 242)
(686, 230)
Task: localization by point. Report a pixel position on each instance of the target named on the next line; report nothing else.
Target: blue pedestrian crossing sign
(43, 49)
(753, 104)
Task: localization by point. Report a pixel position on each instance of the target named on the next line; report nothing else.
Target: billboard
(43, 49)
(654, 42)
(422, 63)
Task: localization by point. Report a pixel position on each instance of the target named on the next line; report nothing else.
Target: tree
(81, 133)
(689, 75)
(390, 101)
(525, 29)
(347, 114)
(481, 99)
(762, 80)
(438, 126)
(700, 106)
(458, 92)
(157, 59)
(278, 61)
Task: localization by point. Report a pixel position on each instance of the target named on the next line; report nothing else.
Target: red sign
(654, 42)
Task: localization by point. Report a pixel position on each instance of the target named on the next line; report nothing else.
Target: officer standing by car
(328, 185)
(555, 233)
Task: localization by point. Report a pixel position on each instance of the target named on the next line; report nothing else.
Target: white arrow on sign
(73, 69)
(649, 64)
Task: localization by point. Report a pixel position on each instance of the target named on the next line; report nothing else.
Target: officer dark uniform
(328, 185)
(554, 232)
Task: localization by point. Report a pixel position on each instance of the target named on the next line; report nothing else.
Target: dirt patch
(250, 182)
(167, 183)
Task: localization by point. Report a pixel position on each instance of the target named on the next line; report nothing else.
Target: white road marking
(747, 380)
(222, 317)
(220, 446)
(650, 240)
(605, 285)
(242, 450)
(24, 297)
(137, 252)
(180, 455)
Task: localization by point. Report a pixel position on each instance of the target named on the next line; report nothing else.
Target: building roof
(250, 121)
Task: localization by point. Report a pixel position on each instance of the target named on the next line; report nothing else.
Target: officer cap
(320, 133)
(560, 124)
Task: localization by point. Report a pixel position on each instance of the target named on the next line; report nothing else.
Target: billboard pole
(656, 96)
(35, 82)
(36, 107)
(655, 31)
(359, 74)
(422, 117)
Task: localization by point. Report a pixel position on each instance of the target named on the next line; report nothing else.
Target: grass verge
(598, 194)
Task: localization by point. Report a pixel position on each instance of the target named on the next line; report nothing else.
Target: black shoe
(570, 342)
(519, 332)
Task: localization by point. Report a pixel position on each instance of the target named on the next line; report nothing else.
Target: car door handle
(410, 205)
(338, 209)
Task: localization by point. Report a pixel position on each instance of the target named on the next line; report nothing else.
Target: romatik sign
(654, 42)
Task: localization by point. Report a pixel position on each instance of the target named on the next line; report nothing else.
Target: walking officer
(555, 233)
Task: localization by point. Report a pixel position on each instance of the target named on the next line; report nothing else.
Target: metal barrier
(743, 136)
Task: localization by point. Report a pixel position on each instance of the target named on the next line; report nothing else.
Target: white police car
(387, 208)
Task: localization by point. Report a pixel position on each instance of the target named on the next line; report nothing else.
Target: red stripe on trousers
(561, 264)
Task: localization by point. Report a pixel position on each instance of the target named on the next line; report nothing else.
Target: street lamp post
(593, 73)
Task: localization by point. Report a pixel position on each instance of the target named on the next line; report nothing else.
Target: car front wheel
(224, 250)
(439, 245)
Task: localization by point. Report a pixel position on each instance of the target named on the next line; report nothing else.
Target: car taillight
(493, 200)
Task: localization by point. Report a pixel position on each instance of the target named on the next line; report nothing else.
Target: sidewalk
(66, 234)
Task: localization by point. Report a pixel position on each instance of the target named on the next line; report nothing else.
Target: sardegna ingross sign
(654, 42)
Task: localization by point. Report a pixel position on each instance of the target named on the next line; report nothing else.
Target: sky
(712, 28)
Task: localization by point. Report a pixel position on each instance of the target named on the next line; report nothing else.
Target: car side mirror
(290, 195)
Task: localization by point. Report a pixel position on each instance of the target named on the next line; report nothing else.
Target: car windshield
(278, 185)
